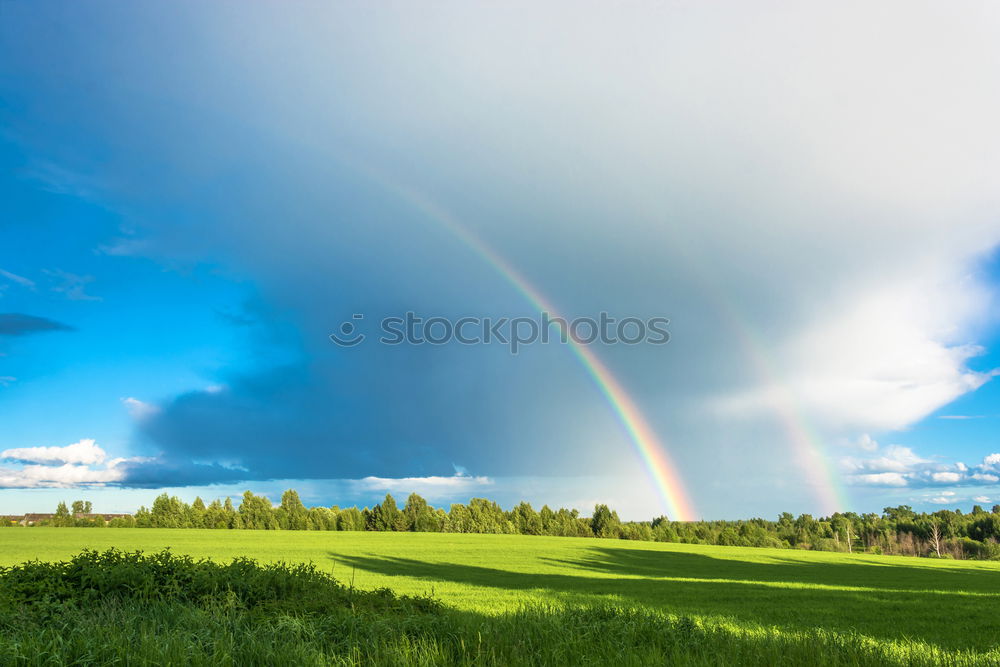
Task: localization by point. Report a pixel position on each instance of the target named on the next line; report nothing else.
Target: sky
(194, 197)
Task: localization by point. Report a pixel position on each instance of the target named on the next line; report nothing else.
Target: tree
(169, 512)
(143, 518)
(419, 516)
(62, 517)
(196, 513)
(350, 519)
(321, 518)
(459, 519)
(526, 519)
(841, 524)
(215, 516)
(638, 531)
(256, 512)
(78, 507)
(605, 522)
(386, 517)
(232, 517)
(485, 516)
(903, 513)
(295, 512)
(936, 536)
(547, 517)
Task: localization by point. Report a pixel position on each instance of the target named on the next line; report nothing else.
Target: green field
(948, 604)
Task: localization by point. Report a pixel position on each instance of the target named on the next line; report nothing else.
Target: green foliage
(350, 519)
(386, 516)
(62, 516)
(169, 512)
(897, 531)
(419, 516)
(526, 520)
(256, 513)
(605, 522)
(295, 516)
(116, 607)
(92, 576)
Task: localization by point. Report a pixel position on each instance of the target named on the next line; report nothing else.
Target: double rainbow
(662, 471)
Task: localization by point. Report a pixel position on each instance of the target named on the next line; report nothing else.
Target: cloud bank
(898, 466)
(812, 217)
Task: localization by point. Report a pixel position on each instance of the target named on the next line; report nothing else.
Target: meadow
(747, 605)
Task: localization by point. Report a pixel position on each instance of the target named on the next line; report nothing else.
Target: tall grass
(133, 608)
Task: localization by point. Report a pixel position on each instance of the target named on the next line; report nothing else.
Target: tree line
(898, 530)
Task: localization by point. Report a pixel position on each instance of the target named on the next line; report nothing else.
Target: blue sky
(193, 198)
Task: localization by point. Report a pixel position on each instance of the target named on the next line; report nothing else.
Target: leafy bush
(93, 576)
(117, 607)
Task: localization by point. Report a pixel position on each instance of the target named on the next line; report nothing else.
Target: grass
(518, 599)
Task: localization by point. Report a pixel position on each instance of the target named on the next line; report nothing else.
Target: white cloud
(84, 452)
(456, 482)
(945, 498)
(61, 467)
(139, 409)
(991, 462)
(866, 443)
(124, 247)
(895, 458)
(879, 479)
(883, 360)
(71, 285)
(896, 465)
(63, 476)
(981, 499)
(20, 280)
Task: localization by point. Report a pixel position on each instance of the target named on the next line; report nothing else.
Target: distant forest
(898, 530)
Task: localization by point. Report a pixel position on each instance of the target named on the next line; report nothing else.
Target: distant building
(32, 519)
(106, 517)
(35, 519)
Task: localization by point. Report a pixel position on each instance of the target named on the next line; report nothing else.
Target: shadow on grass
(920, 575)
(910, 603)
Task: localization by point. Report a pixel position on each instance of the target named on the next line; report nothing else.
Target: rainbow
(662, 471)
(806, 445)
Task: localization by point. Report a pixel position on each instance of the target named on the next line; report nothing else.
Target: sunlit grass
(769, 603)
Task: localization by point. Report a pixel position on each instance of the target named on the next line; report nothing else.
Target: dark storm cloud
(157, 473)
(19, 324)
(386, 412)
(761, 200)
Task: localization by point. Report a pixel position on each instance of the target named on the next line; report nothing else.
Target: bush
(129, 608)
(94, 576)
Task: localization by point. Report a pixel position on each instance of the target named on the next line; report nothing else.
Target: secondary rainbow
(806, 445)
(662, 471)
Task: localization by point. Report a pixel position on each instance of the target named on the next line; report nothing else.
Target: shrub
(93, 576)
